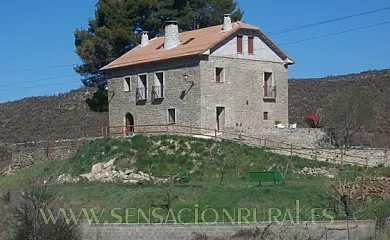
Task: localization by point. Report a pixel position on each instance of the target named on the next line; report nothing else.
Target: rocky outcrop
(107, 172)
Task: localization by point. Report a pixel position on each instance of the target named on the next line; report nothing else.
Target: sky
(39, 35)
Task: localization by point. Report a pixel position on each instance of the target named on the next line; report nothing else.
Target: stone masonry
(360, 230)
(182, 96)
(240, 92)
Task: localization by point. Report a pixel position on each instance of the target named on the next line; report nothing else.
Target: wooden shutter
(250, 45)
(239, 44)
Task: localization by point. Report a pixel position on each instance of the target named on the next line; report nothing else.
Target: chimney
(144, 39)
(171, 35)
(227, 22)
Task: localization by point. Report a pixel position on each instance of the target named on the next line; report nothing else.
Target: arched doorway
(129, 123)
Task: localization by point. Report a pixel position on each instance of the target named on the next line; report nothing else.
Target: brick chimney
(144, 39)
(171, 35)
(227, 22)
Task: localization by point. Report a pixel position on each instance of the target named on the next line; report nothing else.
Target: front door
(129, 124)
(220, 118)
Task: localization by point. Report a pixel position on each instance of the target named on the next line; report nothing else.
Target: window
(219, 75)
(265, 115)
(142, 90)
(250, 45)
(269, 87)
(126, 84)
(239, 44)
(171, 116)
(158, 86)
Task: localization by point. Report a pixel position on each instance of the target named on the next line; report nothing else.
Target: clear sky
(39, 34)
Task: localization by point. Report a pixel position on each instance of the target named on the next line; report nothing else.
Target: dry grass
(307, 94)
(65, 116)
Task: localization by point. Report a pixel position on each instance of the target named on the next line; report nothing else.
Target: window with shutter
(239, 44)
(250, 45)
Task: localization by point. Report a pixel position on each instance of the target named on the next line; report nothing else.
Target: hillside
(307, 94)
(61, 116)
(174, 154)
(68, 116)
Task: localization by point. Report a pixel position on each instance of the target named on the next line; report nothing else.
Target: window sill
(269, 99)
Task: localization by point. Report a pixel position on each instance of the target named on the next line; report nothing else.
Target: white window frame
(147, 84)
(272, 86)
(272, 78)
(223, 73)
(126, 87)
(175, 115)
(163, 83)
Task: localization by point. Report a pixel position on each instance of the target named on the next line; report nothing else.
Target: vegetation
(63, 116)
(68, 116)
(306, 95)
(348, 113)
(118, 25)
(174, 154)
(27, 222)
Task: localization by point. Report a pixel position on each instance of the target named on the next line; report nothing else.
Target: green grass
(174, 154)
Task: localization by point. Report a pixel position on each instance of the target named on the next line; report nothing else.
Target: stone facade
(26, 154)
(178, 94)
(239, 96)
(358, 230)
(242, 94)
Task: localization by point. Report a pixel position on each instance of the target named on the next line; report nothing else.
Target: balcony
(269, 92)
(141, 94)
(158, 92)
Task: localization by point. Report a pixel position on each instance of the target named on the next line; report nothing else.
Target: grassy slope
(173, 154)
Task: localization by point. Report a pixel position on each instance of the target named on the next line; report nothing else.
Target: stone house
(225, 77)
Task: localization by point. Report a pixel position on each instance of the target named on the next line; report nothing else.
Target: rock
(128, 171)
(88, 176)
(108, 174)
(97, 168)
(305, 170)
(109, 165)
(66, 178)
(330, 176)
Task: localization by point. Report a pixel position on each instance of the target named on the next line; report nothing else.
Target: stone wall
(242, 93)
(361, 230)
(25, 154)
(183, 96)
(5, 156)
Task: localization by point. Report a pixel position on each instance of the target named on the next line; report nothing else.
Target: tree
(28, 221)
(349, 113)
(118, 24)
(224, 158)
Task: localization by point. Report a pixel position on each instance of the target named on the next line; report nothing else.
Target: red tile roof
(203, 39)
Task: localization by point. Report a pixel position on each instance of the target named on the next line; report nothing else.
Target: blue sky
(37, 34)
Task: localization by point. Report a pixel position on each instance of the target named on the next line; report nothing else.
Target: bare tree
(167, 188)
(28, 222)
(348, 113)
(224, 159)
